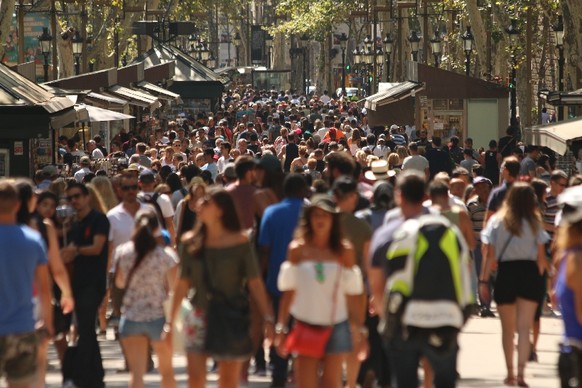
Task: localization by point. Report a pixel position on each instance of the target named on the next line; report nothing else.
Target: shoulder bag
(227, 321)
(311, 340)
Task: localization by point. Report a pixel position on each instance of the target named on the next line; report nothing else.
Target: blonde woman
(103, 186)
(402, 153)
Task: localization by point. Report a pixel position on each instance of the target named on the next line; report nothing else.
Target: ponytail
(144, 241)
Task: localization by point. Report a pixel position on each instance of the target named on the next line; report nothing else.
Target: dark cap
(270, 163)
(147, 176)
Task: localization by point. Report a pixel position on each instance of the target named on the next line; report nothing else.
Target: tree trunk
(479, 30)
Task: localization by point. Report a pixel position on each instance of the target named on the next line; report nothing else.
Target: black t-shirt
(438, 160)
(506, 145)
(90, 271)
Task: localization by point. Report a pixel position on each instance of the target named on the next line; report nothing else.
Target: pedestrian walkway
(481, 362)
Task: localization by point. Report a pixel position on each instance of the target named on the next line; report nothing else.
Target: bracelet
(281, 328)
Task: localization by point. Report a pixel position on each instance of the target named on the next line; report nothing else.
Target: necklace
(319, 272)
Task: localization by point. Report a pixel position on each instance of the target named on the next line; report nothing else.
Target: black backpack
(153, 200)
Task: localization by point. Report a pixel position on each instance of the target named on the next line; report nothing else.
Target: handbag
(227, 321)
(311, 340)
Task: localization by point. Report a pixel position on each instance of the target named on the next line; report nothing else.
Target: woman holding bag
(317, 280)
(515, 238)
(218, 263)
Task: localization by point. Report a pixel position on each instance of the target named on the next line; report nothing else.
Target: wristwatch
(281, 328)
(167, 327)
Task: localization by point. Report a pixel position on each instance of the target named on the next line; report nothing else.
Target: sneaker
(486, 313)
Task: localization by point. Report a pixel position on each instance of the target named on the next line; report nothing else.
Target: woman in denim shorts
(146, 270)
(317, 279)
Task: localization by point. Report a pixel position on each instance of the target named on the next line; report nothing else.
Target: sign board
(18, 148)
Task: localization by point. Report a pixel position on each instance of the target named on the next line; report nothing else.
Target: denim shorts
(340, 340)
(151, 329)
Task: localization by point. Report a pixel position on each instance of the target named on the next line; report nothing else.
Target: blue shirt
(22, 250)
(277, 226)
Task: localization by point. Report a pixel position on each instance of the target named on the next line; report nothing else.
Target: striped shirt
(551, 210)
(477, 212)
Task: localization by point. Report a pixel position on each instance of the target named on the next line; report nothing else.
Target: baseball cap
(147, 176)
(482, 179)
(50, 170)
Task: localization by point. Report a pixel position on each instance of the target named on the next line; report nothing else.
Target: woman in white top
(317, 281)
(146, 270)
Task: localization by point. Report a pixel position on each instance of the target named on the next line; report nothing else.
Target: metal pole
(304, 70)
(77, 65)
(513, 120)
(344, 71)
(561, 62)
(388, 68)
(46, 68)
(467, 63)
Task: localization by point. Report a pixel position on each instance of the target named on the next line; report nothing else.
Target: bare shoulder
(294, 250)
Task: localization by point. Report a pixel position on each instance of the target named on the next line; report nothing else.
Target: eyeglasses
(129, 187)
(74, 196)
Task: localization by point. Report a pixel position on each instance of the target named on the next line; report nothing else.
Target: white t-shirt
(415, 162)
(121, 227)
(97, 154)
(325, 99)
(165, 204)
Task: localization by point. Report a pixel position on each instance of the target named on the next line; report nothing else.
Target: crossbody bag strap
(505, 247)
(335, 288)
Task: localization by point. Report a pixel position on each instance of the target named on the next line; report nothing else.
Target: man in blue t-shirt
(277, 226)
(22, 268)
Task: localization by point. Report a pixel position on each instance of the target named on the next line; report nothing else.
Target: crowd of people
(276, 223)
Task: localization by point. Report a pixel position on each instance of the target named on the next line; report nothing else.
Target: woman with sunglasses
(218, 263)
(321, 285)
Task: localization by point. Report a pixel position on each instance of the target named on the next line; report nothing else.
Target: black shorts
(518, 279)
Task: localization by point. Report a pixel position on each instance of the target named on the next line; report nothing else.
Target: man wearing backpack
(160, 202)
(429, 286)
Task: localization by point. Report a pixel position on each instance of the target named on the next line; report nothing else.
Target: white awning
(159, 91)
(555, 136)
(397, 92)
(96, 114)
(136, 97)
(107, 98)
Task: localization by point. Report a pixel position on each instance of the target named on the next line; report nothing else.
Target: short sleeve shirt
(497, 196)
(522, 247)
(145, 295)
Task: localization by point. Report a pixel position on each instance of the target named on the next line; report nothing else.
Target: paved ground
(481, 362)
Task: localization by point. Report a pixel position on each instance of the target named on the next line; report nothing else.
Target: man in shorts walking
(21, 266)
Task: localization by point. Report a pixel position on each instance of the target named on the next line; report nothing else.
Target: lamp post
(414, 40)
(237, 41)
(45, 40)
(558, 29)
(77, 50)
(269, 44)
(436, 46)
(468, 46)
(513, 33)
(305, 49)
(388, 45)
(343, 45)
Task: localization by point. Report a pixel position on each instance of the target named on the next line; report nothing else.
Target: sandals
(510, 381)
(521, 382)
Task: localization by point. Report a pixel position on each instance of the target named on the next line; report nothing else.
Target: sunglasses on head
(129, 187)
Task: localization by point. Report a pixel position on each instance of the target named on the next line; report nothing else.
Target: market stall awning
(107, 99)
(396, 92)
(555, 136)
(95, 114)
(160, 92)
(136, 97)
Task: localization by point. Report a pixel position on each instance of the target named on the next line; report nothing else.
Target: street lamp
(305, 48)
(414, 40)
(558, 29)
(45, 40)
(388, 44)
(237, 41)
(513, 33)
(468, 46)
(77, 50)
(343, 39)
(436, 46)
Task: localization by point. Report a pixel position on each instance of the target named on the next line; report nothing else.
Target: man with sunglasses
(88, 247)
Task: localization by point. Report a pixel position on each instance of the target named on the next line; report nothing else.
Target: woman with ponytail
(146, 270)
